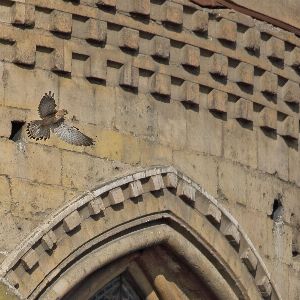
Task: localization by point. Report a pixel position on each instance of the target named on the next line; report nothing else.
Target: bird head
(62, 112)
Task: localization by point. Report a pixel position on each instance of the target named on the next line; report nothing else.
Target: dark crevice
(16, 128)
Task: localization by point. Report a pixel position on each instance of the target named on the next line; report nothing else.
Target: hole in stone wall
(16, 128)
(277, 212)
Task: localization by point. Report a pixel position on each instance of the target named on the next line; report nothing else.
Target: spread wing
(47, 105)
(72, 135)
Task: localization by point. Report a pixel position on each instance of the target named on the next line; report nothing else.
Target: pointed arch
(157, 207)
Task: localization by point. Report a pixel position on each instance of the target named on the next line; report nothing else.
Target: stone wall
(212, 92)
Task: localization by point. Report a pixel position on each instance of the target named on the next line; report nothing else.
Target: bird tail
(36, 130)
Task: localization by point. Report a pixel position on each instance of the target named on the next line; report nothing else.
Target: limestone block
(268, 152)
(156, 183)
(243, 73)
(249, 259)
(62, 59)
(30, 259)
(25, 52)
(96, 206)
(171, 181)
(116, 196)
(61, 22)
(190, 56)
(242, 110)
(96, 67)
(213, 214)
(129, 38)
(96, 30)
(251, 39)
(23, 14)
(135, 189)
(218, 64)
(290, 92)
(173, 13)
(141, 7)
(268, 83)
(72, 221)
(289, 127)
(107, 3)
(72, 92)
(226, 30)
(198, 131)
(190, 92)
(293, 58)
(49, 240)
(267, 118)
(13, 278)
(204, 168)
(129, 76)
(5, 198)
(160, 84)
(240, 143)
(233, 190)
(274, 48)
(160, 47)
(231, 232)
(186, 191)
(26, 196)
(264, 286)
(199, 21)
(217, 101)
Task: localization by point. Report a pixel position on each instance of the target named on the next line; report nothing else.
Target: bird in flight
(54, 120)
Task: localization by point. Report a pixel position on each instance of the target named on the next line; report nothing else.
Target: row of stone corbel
(130, 187)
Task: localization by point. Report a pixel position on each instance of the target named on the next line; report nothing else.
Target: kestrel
(54, 120)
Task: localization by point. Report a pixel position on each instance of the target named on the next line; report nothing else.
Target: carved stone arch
(113, 227)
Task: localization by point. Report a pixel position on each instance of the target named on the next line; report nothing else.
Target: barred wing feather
(47, 105)
(72, 135)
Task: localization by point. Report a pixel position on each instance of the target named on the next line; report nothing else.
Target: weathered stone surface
(199, 21)
(49, 240)
(274, 48)
(242, 109)
(217, 101)
(251, 39)
(173, 13)
(96, 206)
(116, 196)
(135, 189)
(25, 53)
(160, 84)
(243, 73)
(267, 118)
(129, 38)
(156, 183)
(96, 30)
(61, 22)
(129, 76)
(191, 56)
(218, 65)
(240, 143)
(23, 14)
(30, 259)
(249, 259)
(226, 30)
(109, 3)
(268, 83)
(160, 47)
(199, 128)
(186, 191)
(290, 92)
(190, 92)
(72, 221)
(96, 68)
